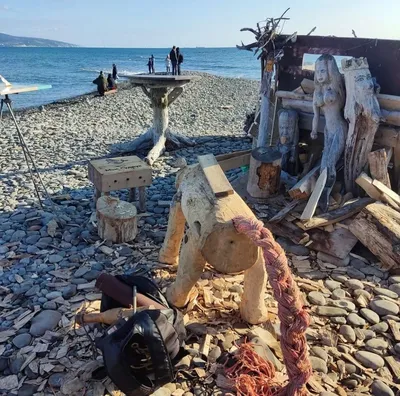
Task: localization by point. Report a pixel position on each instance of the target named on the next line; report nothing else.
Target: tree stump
(363, 114)
(211, 238)
(264, 172)
(116, 220)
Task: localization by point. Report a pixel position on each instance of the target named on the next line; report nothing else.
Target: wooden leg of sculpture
(190, 268)
(169, 252)
(252, 306)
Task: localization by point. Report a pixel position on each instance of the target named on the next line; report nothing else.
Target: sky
(190, 23)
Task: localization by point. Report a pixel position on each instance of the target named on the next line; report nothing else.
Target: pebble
(397, 348)
(214, 354)
(355, 273)
(316, 298)
(347, 305)
(395, 288)
(394, 279)
(69, 291)
(45, 320)
(55, 258)
(27, 390)
(379, 388)
(318, 364)
(380, 291)
(22, 340)
(381, 327)
(354, 284)
(319, 352)
(348, 333)
(355, 320)
(332, 285)
(369, 359)
(376, 345)
(338, 294)
(370, 315)
(53, 295)
(330, 311)
(383, 307)
(338, 320)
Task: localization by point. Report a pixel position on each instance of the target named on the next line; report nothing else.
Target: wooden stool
(111, 174)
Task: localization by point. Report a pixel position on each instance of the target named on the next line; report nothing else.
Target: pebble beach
(49, 264)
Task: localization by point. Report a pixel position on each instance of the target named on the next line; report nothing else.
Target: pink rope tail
(291, 312)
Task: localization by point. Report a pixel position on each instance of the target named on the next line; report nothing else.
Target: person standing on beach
(114, 71)
(168, 64)
(174, 60)
(149, 65)
(152, 64)
(180, 60)
(101, 83)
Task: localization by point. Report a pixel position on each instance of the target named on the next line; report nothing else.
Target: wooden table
(162, 90)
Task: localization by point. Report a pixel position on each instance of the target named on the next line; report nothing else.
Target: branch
(257, 34)
(247, 47)
(311, 31)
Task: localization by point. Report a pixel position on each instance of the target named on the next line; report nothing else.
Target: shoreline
(122, 86)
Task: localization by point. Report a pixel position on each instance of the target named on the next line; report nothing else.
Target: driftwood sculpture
(329, 97)
(363, 114)
(211, 238)
(289, 139)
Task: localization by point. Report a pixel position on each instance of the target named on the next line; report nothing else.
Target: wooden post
(363, 113)
(116, 220)
(264, 172)
(132, 194)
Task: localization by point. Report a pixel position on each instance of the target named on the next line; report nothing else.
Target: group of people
(174, 59)
(173, 62)
(108, 84)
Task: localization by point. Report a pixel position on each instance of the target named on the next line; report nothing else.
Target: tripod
(33, 171)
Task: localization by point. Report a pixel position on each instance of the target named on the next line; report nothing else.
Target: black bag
(140, 352)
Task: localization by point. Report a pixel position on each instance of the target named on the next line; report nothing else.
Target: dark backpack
(140, 353)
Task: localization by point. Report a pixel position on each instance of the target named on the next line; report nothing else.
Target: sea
(70, 71)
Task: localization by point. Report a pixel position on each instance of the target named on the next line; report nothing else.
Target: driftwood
(304, 187)
(363, 113)
(116, 220)
(378, 163)
(377, 227)
(289, 140)
(329, 96)
(211, 238)
(264, 172)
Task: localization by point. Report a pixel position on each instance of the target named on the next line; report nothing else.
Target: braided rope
(294, 318)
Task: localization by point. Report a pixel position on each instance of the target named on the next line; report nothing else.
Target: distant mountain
(13, 41)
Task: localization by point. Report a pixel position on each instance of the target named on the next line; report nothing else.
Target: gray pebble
(338, 294)
(45, 320)
(376, 345)
(380, 291)
(369, 359)
(354, 284)
(370, 315)
(332, 285)
(318, 364)
(348, 333)
(395, 287)
(379, 388)
(355, 320)
(319, 352)
(22, 340)
(316, 298)
(56, 380)
(383, 307)
(380, 328)
(55, 258)
(330, 311)
(69, 291)
(53, 295)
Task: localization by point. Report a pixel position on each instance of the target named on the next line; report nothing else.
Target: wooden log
(346, 211)
(391, 117)
(396, 168)
(264, 172)
(304, 187)
(307, 86)
(377, 227)
(378, 163)
(215, 176)
(363, 113)
(116, 220)
(298, 105)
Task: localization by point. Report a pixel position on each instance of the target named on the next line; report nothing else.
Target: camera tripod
(33, 171)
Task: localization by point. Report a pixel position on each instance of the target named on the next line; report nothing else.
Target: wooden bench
(112, 174)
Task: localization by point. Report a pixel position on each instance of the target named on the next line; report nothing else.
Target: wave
(121, 73)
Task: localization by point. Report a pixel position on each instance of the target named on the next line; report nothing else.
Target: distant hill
(13, 41)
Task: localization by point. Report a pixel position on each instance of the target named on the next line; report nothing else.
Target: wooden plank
(304, 187)
(378, 163)
(111, 174)
(282, 213)
(216, 178)
(346, 211)
(289, 230)
(235, 162)
(377, 227)
(365, 182)
(312, 203)
(337, 243)
(390, 193)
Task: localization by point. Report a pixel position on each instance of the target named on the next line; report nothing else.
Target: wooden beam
(377, 227)
(234, 160)
(390, 193)
(312, 203)
(378, 163)
(216, 178)
(346, 211)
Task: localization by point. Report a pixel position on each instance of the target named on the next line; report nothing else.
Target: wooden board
(110, 174)
(304, 187)
(346, 211)
(215, 176)
(390, 193)
(288, 230)
(378, 163)
(365, 182)
(337, 243)
(234, 160)
(377, 227)
(312, 203)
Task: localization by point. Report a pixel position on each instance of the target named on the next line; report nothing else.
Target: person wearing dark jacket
(114, 71)
(174, 60)
(101, 83)
(111, 82)
(180, 60)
